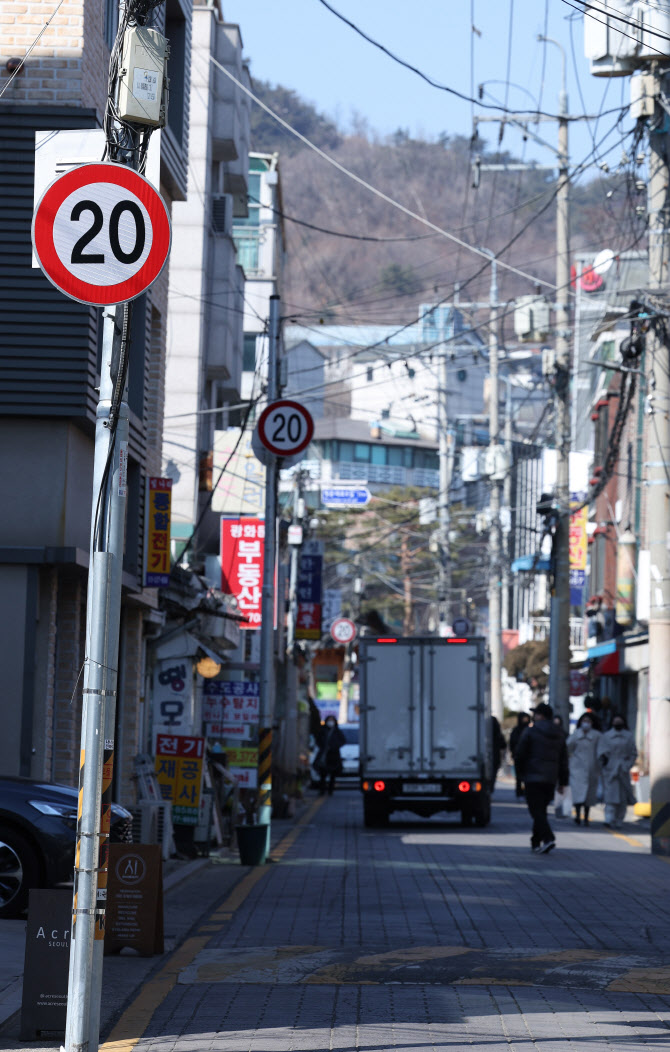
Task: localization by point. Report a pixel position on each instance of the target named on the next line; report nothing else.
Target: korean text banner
(157, 509)
(179, 763)
(242, 548)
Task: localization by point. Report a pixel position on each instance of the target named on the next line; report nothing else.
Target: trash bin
(253, 844)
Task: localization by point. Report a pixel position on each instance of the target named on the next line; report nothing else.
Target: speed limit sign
(285, 427)
(343, 630)
(101, 233)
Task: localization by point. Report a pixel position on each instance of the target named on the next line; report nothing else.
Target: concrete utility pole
(559, 677)
(506, 613)
(657, 475)
(495, 637)
(266, 701)
(446, 454)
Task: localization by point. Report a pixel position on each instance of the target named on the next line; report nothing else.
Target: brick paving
(425, 935)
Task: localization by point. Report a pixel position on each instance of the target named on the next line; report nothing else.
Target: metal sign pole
(268, 598)
(100, 679)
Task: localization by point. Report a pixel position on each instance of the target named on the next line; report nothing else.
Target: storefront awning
(607, 666)
(531, 563)
(601, 649)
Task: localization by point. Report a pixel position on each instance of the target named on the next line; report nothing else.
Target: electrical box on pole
(142, 80)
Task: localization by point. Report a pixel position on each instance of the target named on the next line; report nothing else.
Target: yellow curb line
(138, 1015)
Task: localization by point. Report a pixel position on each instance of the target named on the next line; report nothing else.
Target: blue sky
(302, 45)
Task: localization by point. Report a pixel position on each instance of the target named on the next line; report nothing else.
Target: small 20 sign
(285, 428)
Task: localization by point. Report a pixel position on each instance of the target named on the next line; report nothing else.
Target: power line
(419, 73)
(373, 189)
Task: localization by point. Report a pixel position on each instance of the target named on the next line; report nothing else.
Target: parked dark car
(38, 825)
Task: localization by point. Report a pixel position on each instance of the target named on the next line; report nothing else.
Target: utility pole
(445, 452)
(266, 701)
(126, 143)
(559, 661)
(559, 677)
(506, 613)
(657, 475)
(495, 637)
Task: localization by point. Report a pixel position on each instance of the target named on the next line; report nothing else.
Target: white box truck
(425, 728)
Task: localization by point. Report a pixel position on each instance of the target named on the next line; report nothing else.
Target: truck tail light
(464, 787)
(387, 640)
(365, 787)
(380, 787)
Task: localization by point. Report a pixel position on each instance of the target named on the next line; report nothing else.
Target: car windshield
(351, 735)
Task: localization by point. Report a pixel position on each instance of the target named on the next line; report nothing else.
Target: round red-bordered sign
(343, 630)
(101, 233)
(285, 427)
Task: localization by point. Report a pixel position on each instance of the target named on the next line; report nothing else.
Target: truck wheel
(483, 812)
(374, 813)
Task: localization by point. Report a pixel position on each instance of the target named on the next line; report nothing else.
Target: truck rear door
(390, 717)
(453, 685)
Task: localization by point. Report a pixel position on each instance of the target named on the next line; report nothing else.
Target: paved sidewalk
(191, 887)
(420, 936)
(426, 936)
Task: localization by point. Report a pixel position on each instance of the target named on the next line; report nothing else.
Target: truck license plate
(423, 787)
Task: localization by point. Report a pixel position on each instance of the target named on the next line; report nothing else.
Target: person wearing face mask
(328, 761)
(584, 767)
(617, 753)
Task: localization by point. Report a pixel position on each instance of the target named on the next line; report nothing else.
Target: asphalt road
(420, 936)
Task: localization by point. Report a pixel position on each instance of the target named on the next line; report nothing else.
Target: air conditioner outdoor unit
(152, 824)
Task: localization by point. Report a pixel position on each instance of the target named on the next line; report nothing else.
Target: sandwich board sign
(101, 233)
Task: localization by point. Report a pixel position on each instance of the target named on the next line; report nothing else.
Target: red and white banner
(242, 548)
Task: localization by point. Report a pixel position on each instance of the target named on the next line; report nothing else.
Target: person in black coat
(542, 762)
(328, 761)
(498, 747)
(522, 721)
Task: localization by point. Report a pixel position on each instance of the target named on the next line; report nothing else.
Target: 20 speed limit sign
(343, 630)
(285, 427)
(101, 233)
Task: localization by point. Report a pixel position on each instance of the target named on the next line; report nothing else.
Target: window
(345, 451)
(369, 373)
(362, 452)
(249, 353)
(175, 31)
(395, 455)
(378, 455)
(254, 202)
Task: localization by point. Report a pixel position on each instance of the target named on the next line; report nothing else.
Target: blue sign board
(344, 496)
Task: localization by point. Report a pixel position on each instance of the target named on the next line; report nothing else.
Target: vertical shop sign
(179, 761)
(173, 695)
(309, 588)
(578, 549)
(157, 511)
(242, 548)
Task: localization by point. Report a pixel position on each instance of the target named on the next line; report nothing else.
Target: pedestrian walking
(541, 760)
(498, 747)
(522, 721)
(328, 761)
(584, 766)
(617, 754)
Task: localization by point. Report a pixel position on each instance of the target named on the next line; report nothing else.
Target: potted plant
(253, 837)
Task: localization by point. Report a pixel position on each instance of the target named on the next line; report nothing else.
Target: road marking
(131, 1026)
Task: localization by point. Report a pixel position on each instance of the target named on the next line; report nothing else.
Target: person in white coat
(584, 766)
(617, 754)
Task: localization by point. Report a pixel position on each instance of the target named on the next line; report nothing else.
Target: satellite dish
(603, 261)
